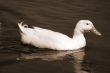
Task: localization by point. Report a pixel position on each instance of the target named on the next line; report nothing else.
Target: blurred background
(60, 16)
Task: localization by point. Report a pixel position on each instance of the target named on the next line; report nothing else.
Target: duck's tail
(22, 27)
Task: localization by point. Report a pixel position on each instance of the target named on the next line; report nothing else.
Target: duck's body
(44, 38)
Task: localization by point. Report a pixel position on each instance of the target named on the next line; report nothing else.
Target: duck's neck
(77, 33)
(79, 38)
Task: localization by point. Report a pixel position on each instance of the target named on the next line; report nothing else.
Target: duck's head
(87, 26)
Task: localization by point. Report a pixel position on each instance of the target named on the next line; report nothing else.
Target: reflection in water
(76, 57)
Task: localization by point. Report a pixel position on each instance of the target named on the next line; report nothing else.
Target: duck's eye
(87, 24)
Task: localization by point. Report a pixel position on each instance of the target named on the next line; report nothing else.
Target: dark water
(61, 16)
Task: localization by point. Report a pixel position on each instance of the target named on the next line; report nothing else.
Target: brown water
(60, 16)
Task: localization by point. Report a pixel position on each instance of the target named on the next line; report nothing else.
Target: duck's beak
(95, 31)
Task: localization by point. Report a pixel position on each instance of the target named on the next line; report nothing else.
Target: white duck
(45, 38)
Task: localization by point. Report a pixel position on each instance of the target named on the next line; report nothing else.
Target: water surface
(60, 16)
